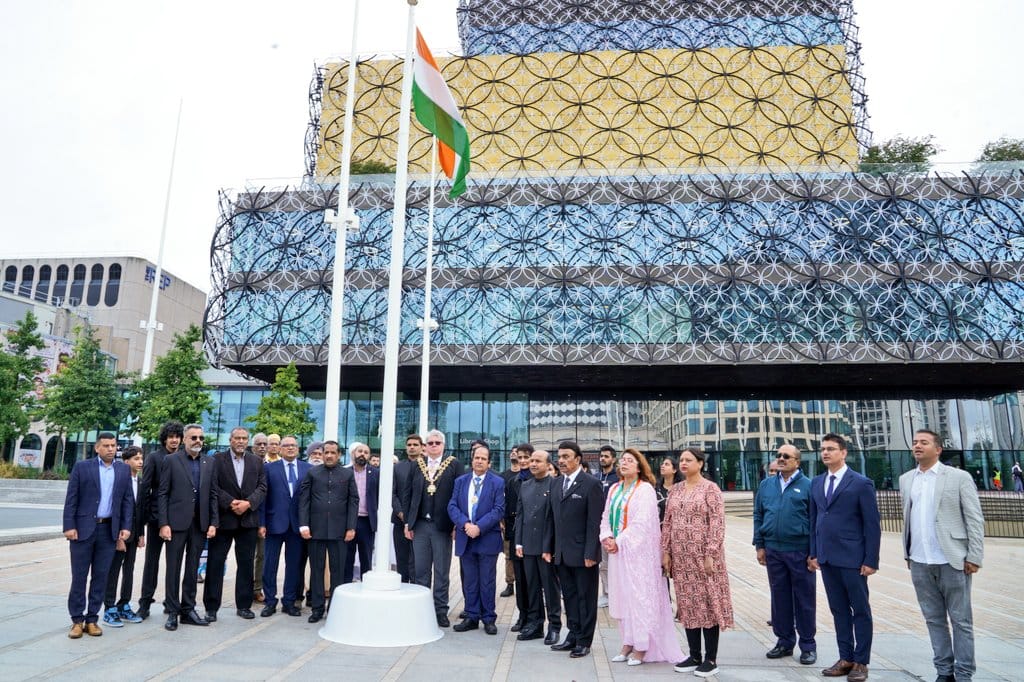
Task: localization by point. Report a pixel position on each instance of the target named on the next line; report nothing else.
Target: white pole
(151, 324)
(428, 323)
(332, 396)
(382, 545)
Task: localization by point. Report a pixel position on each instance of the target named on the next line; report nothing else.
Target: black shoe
(516, 627)
(293, 611)
(687, 666)
(568, 645)
(552, 636)
(143, 612)
(945, 678)
(463, 614)
(706, 669)
(315, 616)
(466, 624)
(809, 657)
(268, 611)
(580, 652)
(442, 621)
(171, 624)
(245, 613)
(192, 618)
(508, 591)
(778, 652)
(530, 633)
(211, 616)
(490, 628)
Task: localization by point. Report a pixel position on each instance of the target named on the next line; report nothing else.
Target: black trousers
(579, 587)
(245, 561)
(542, 592)
(403, 553)
(519, 572)
(122, 560)
(179, 589)
(151, 565)
(363, 543)
(333, 551)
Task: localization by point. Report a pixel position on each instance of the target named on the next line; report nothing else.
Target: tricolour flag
(436, 111)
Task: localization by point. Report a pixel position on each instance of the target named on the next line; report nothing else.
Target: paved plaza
(34, 643)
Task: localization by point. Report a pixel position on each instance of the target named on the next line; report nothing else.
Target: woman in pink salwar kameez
(637, 594)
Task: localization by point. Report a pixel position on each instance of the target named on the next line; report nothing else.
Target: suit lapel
(843, 485)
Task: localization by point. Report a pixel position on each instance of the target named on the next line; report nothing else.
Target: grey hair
(434, 432)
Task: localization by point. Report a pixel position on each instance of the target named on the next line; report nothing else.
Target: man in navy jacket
(279, 524)
(846, 536)
(782, 538)
(98, 511)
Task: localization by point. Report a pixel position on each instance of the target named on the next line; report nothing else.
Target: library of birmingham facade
(667, 241)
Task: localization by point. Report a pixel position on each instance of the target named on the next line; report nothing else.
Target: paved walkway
(34, 645)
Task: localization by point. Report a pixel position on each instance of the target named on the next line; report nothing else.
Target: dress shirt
(924, 542)
(193, 466)
(839, 477)
(473, 494)
(361, 487)
(433, 464)
(571, 478)
(135, 487)
(291, 475)
(106, 490)
(783, 483)
(238, 461)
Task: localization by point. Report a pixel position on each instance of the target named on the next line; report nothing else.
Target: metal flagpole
(151, 324)
(427, 323)
(344, 220)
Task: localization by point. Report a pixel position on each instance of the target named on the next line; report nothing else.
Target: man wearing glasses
(783, 541)
(427, 523)
(187, 510)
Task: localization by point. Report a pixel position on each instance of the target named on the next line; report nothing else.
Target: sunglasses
(197, 437)
(434, 442)
(786, 457)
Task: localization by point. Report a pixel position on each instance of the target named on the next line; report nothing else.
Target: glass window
(10, 279)
(77, 286)
(28, 275)
(60, 287)
(43, 287)
(729, 406)
(710, 426)
(113, 284)
(95, 285)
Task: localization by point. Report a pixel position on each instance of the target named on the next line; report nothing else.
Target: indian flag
(436, 111)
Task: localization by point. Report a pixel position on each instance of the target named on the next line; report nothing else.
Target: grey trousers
(942, 591)
(432, 549)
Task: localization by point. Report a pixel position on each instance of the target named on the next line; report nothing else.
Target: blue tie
(476, 496)
(831, 488)
(291, 479)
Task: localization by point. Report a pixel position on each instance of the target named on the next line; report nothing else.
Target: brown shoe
(76, 630)
(259, 596)
(840, 668)
(858, 673)
(93, 630)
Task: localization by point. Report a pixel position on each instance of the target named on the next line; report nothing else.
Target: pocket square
(576, 496)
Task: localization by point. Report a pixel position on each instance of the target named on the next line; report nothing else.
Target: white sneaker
(602, 602)
(635, 661)
(620, 658)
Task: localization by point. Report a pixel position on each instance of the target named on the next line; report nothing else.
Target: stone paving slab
(34, 645)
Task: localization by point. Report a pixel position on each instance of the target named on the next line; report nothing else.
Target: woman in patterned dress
(692, 543)
(637, 594)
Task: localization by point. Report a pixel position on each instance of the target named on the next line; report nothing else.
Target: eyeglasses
(197, 438)
(289, 445)
(435, 442)
(785, 457)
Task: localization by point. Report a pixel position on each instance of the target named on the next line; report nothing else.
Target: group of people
(556, 526)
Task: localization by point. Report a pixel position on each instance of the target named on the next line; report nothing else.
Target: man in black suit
(513, 480)
(535, 537)
(426, 519)
(241, 487)
(403, 475)
(576, 511)
(171, 435)
(188, 516)
(328, 508)
(368, 484)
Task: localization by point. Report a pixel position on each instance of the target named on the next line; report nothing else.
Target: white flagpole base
(381, 611)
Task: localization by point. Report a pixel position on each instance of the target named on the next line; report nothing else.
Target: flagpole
(342, 220)
(427, 322)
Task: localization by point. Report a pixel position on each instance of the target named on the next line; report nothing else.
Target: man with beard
(171, 435)
(368, 484)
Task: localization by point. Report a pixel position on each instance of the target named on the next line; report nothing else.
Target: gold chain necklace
(432, 488)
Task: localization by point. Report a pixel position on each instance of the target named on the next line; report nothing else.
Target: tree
(86, 394)
(370, 167)
(283, 410)
(18, 371)
(1005, 152)
(174, 389)
(900, 155)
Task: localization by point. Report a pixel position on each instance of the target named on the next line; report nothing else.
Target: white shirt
(469, 493)
(839, 479)
(571, 478)
(924, 542)
(135, 487)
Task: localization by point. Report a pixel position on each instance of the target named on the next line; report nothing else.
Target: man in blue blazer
(846, 535)
(279, 524)
(98, 511)
(476, 508)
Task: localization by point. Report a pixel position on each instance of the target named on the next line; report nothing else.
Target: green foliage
(173, 390)
(18, 370)
(1003, 150)
(11, 470)
(370, 167)
(283, 410)
(900, 155)
(85, 395)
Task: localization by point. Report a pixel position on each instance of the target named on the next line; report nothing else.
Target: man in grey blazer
(943, 543)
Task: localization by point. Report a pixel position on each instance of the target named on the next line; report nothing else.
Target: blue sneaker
(128, 615)
(112, 618)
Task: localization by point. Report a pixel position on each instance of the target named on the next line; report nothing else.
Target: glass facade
(741, 435)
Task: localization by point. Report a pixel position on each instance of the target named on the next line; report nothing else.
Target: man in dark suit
(241, 487)
(846, 535)
(188, 514)
(476, 508)
(512, 485)
(171, 435)
(535, 537)
(279, 523)
(368, 484)
(98, 509)
(426, 519)
(403, 475)
(576, 511)
(328, 507)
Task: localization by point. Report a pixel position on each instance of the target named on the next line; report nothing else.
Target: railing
(1003, 511)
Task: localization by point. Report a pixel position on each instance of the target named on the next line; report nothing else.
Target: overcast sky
(91, 91)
